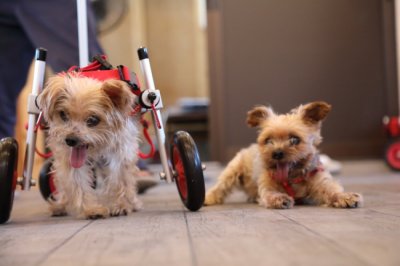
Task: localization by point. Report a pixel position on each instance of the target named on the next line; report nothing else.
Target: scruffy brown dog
(94, 141)
(284, 165)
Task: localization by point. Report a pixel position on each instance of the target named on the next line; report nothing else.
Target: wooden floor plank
(370, 236)
(151, 238)
(237, 233)
(244, 234)
(31, 234)
(156, 235)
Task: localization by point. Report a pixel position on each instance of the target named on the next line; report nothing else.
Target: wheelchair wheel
(8, 176)
(188, 172)
(392, 154)
(46, 181)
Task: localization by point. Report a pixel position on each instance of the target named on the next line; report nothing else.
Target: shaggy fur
(94, 143)
(286, 150)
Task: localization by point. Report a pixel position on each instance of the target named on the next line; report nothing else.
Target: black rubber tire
(188, 170)
(45, 179)
(8, 176)
(392, 152)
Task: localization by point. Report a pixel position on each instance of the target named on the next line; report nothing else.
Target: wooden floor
(237, 233)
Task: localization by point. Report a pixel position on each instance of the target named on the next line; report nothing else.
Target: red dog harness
(102, 70)
(288, 182)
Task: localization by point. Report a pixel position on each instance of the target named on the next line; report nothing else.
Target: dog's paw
(118, 212)
(347, 200)
(136, 205)
(95, 216)
(59, 213)
(96, 213)
(57, 210)
(212, 199)
(277, 201)
(122, 209)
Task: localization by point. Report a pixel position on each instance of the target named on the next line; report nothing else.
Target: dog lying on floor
(284, 165)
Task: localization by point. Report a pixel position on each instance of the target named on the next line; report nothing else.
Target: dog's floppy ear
(51, 95)
(315, 112)
(257, 115)
(120, 94)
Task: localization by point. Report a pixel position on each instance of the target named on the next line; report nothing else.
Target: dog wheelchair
(183, 166)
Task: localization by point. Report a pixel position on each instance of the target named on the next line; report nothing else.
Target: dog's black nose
(72, 141)
(278, 155)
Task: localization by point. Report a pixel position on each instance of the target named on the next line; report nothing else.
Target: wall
(285, 53)
(176, 44)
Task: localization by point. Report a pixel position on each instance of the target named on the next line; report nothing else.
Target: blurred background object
(285, 53)
(238, 53)
(109, 14)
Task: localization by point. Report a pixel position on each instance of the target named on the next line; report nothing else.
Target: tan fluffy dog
(284, 164)
(94, 143)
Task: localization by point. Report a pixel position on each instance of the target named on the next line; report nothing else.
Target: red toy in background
(392, 123)
(392, 149)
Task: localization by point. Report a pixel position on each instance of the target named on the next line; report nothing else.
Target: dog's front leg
(58, 204)
(84, 198)
(120, 193)
(91, 209)
(229, 178)
(269, 195)
(327, 191)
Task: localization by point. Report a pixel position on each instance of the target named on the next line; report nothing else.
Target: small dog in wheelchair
(284, 165)
(94, 141)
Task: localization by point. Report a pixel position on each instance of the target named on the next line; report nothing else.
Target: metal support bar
(160, 134)
(37, 85)
(82, 33)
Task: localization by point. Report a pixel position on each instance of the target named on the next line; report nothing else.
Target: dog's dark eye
(63, 116)
(294, 140)
(92, 121)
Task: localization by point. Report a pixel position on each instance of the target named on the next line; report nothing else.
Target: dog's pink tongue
(78, 156)
(282, 172)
